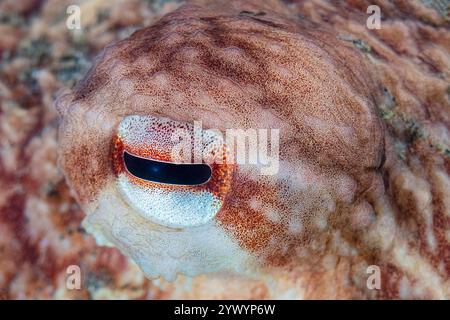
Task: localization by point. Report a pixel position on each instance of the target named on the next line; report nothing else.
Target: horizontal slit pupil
(166, 172)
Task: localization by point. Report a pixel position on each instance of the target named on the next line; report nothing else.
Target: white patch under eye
(159, 251)
(171, 208)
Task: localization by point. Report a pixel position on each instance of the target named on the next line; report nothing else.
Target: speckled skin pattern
(364, 158)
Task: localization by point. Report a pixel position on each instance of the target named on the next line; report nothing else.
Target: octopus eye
(166, 172)
(157, 186)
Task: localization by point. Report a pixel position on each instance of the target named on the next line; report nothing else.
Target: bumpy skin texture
(343, 198)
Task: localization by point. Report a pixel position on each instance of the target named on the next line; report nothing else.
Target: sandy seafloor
(40, 233)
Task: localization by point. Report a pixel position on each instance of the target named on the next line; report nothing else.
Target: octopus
(358, 119)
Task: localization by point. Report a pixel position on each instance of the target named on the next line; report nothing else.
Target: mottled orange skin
(251, 65)
(40, 232)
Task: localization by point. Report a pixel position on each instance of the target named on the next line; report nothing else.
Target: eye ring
(185, 174)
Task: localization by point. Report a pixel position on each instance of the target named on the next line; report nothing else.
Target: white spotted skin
(176, 209)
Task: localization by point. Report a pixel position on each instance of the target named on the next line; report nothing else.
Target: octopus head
(229, 70)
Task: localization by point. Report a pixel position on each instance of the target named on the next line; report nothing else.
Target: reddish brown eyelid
(219, 184)
(117, 155)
